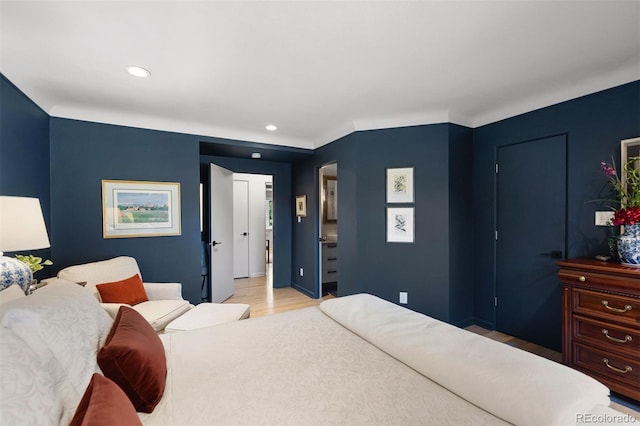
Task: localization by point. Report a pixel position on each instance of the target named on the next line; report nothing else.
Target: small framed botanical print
(400, 185)
(400, 225)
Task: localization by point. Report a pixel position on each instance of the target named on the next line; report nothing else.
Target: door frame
(236, 228)
(319, 185)
(283, 213)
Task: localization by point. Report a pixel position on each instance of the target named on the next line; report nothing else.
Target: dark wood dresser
(601, 322)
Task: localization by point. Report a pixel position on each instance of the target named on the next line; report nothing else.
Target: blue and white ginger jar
(12, 271)
(629, 245)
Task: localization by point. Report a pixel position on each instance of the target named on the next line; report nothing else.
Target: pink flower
(608, 169)
(627, 191)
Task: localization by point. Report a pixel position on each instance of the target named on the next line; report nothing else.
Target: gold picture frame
(301, 205)
(133, 209)
(330, 199)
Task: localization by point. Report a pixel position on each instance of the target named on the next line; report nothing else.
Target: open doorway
(328, 229)
(268, 214)
(245, 236)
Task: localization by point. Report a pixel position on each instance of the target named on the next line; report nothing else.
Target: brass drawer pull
(626, 370)
(626, 339)
(626, 307)
(580, 278)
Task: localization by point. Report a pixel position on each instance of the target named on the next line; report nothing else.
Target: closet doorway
(328, 229)
(252, 223)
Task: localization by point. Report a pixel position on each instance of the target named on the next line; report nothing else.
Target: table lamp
(21, 228)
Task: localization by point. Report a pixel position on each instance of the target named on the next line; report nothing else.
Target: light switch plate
(404, 296)
(604, 218)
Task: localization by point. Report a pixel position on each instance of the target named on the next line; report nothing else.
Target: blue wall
(24, 153)
(595, 125)
(454, 174)
(82, 155)
(304, 231)
(461, 288)
(305, 235)
(366, 262)
(282, 206)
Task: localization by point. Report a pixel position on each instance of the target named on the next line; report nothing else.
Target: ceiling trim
(561, 94)
(566, 92)
(178, 126)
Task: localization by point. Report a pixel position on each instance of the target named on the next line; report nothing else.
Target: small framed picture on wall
(400, 225)
(301, 205)
(400, 185)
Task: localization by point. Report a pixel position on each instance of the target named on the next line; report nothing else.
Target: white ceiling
(317, 69)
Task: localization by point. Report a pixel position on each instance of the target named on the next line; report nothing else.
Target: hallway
(265, 300)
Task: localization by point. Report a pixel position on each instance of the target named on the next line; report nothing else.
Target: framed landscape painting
(140, 209)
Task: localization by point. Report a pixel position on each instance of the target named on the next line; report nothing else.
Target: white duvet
(359, 360)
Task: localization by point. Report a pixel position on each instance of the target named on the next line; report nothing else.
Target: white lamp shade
(22, 224)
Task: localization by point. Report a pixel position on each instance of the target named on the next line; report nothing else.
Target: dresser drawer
(614, 367)
(590, 278)
(607, 306)
(331, 264)
(608, 337)
(330, 250)
(329, 276)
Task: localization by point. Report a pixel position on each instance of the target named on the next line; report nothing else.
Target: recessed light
(137, 71)
(271, 127)
(256, 155)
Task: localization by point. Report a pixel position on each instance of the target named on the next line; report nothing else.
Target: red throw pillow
(130, 291)
(104, 404)
(133, 357)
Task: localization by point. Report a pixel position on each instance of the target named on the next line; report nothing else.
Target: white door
(221, 225)
(240, 229)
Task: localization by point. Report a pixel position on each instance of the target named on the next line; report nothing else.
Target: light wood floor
(266, 300)
(263, 299)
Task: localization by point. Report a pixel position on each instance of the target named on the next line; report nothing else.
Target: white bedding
(310, 367)
(356, 360)
(297, 368)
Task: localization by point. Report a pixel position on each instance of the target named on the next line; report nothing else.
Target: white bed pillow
(65, 326)
(514, 385)
(27, 392)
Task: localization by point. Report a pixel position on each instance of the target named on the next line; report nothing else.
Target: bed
(354, 360)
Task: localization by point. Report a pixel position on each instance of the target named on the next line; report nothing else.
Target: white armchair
(165, 299)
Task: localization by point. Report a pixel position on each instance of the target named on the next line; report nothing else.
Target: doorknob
(244, 234)
(554, 254)
(214, 243)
